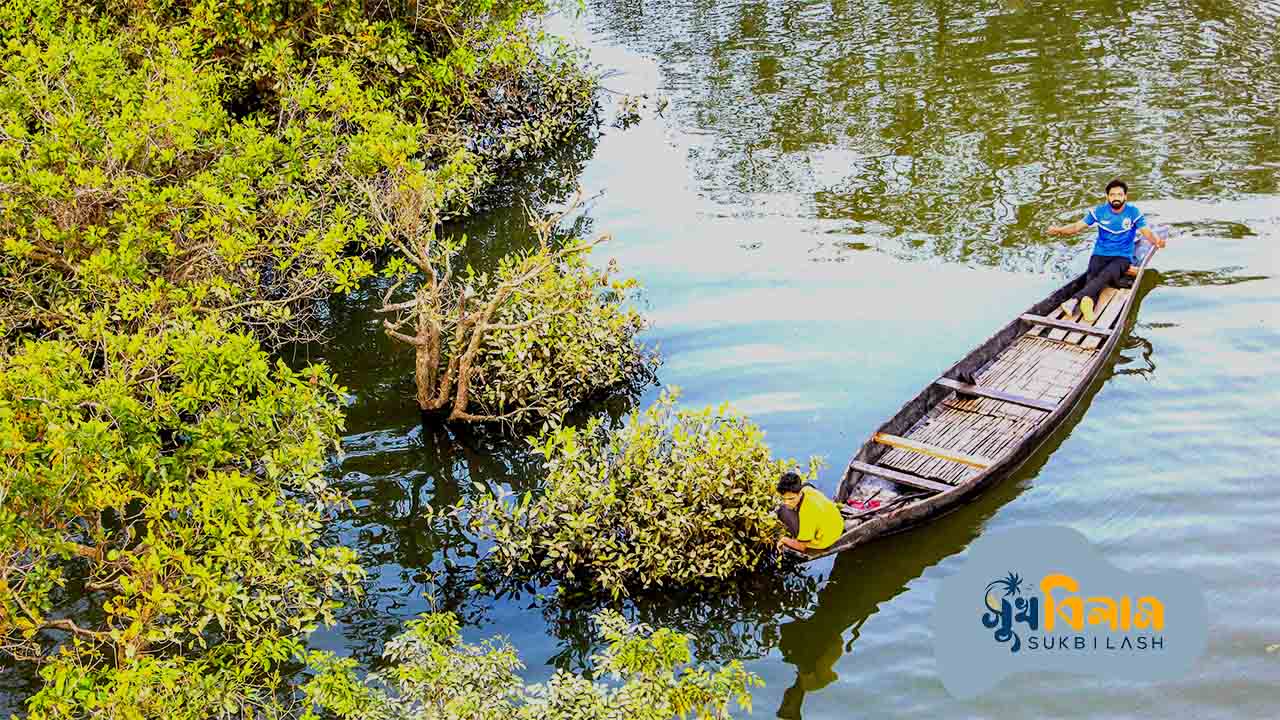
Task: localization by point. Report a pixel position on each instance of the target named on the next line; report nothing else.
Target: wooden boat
(984, 416)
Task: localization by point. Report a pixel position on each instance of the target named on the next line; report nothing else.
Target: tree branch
(50, 257)
(515, 325)
(407, 304)
(87, 552)
(463, 416)
(65, 624)
(69, 625)
(389, 328)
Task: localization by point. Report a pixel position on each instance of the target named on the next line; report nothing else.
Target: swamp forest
(423, 359)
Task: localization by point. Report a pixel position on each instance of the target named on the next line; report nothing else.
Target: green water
(837, 201)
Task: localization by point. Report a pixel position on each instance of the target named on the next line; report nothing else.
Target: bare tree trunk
(423, 367)
(426, 355)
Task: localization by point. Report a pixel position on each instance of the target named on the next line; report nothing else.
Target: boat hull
(869, 525)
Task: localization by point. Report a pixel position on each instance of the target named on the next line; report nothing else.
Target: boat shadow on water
(867, 577)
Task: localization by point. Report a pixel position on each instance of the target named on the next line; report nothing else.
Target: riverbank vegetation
(171, 157)
(183, 186)
(162, 515)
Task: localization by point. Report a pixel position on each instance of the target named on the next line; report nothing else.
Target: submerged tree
(531, 338)
(622, 509)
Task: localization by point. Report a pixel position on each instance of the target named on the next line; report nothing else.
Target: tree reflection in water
(737, 619)
(957, 129)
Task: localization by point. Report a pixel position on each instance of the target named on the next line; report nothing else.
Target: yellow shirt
(820, 520)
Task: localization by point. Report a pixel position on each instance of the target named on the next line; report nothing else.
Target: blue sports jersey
(1116, 230)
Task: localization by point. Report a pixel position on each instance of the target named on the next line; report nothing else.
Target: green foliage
(231, 681)
(435, 676)
(675, 497)
(170, 478)
(132, 186)
(217, 156)
(180, 181)
(563, 337)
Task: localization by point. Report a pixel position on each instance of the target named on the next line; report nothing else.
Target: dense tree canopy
(177, 488)
(181, 182)
(220, 156)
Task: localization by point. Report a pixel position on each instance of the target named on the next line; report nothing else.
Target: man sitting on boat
(1118, 224)
(812, 521)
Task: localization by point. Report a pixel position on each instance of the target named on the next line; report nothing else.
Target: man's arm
(1067, 230)
(806, 531)
(794, 544)
(1151, 237)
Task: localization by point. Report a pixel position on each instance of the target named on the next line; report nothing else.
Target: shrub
(435, 676)
(562, 339)
(529, 339)
(675, 497)
(162, 492)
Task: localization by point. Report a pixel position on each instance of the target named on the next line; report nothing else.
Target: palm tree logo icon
(1011, 583)
(999, 611)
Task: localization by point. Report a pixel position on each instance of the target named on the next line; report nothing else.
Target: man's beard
(1117, 204)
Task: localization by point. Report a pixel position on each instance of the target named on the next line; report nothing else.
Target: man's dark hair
(1117, 183)
(790, 483)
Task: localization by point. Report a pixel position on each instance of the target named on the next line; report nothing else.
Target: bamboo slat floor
(1043, 364)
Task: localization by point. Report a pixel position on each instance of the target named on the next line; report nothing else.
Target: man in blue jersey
(1118, 224)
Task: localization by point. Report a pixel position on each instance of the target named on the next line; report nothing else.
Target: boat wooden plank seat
(937, 451)
(995, 394)
(1064, 324)
(960, 431)
(900, 477)
(1016, 414)
(1040, 330)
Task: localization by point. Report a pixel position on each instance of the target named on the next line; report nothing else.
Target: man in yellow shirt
(812, 521)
